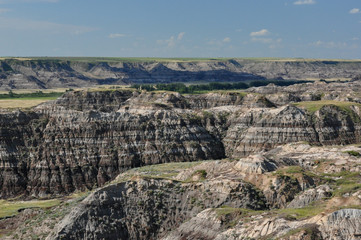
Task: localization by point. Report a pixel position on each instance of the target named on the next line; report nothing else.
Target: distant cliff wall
(53, 73)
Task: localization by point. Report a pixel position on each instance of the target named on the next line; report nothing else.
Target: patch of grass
(30, 95)
(23, 103)
(313, 106)
(346, 188)
(202, 173)
(350, 207)
(309, 229)
(8, 208)
(353, 153)
(207, 114)
(291, 170)
(344, 182)
(31, 91)
(25, 99)
(225, 210)
(302, 213)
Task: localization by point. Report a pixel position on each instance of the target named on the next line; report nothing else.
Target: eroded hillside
(271, 162)
(42, 73)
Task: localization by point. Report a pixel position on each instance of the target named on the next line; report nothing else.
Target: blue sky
(181, 28)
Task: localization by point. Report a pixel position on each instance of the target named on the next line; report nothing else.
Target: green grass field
(23, 103)
(10, 208)
(313, 106)
(24, 100)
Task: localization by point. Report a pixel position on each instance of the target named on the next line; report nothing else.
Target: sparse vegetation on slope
(203, 88)
(11, 208)
(313, 106)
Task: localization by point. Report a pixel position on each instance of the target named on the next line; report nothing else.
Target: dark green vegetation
(354, 153)
(201, 88)
(313, 106)
(33, 95)
(344, 182)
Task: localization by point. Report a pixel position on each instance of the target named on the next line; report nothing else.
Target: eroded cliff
(85, 139)
(280, 168)
(40, 73)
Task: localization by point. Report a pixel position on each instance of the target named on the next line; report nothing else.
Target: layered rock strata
(85, 139)
(147, 209)
(60, 73)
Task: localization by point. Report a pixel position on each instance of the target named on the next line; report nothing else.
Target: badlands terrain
(43, 73)
(266, 162)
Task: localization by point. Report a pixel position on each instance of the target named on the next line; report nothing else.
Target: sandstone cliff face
(85, 139)
(51, 73)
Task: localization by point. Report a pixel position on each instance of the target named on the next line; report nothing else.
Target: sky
(181, 28)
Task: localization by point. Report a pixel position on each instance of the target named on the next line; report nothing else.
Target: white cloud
(48, 27)
(180, 36)
(226, 39)
(330, 44)
(355, 10)
(260, 33)
(172, 41)
(304, 2)
(117, 35)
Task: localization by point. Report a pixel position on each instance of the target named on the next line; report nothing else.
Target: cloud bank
(304, 2)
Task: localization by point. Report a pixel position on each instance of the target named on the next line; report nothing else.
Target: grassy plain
(313, 106)
(10, 208)
(23, 103)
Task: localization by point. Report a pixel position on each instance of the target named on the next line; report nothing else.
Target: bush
(353, 153)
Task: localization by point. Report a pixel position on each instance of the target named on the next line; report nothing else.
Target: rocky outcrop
(219, 199)
(148, 208)
(73, 72)
(206, 225)
(263, 129)
(256, 164)
(309, 196)
(342, 224)
(267, 128)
